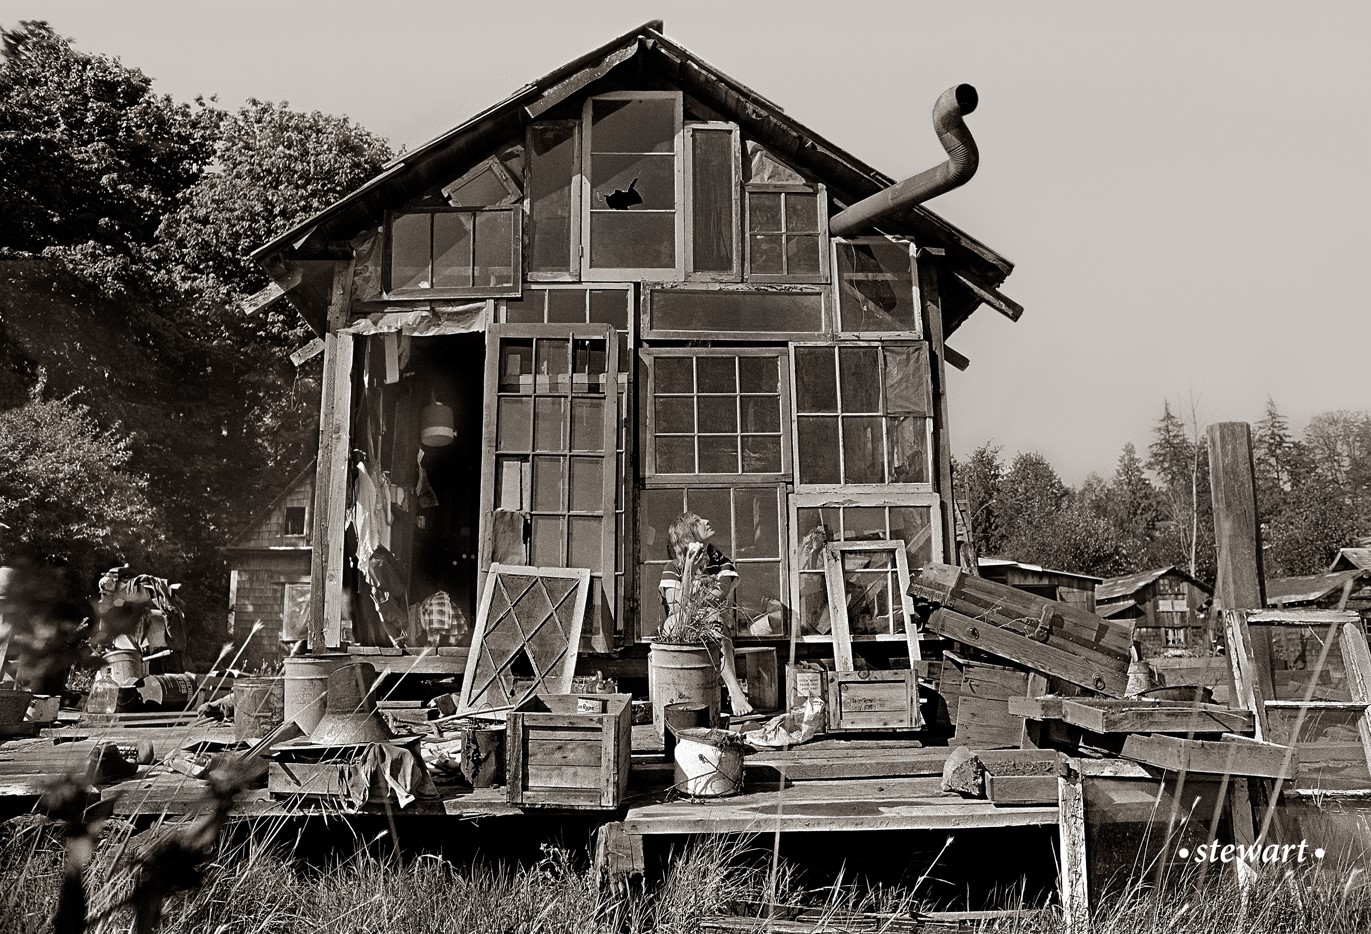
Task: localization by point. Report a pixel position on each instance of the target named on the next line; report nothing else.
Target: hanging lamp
(436, 424)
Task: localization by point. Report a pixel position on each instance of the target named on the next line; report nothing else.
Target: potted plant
(685, 658)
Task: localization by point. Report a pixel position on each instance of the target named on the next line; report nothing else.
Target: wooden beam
(278, 287)
(1231, 755)
(1073, 883)
(1031, 733)
(1232, 482)
(928, 265)
(955, 359)
(308, 352)
(995, 299)
(1143, 716)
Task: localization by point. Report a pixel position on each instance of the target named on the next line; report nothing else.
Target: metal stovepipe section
(962, 159)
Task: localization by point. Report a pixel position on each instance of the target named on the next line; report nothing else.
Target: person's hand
(694, 549)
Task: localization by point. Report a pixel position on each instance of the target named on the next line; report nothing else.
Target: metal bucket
(682, 674)
(169, 692)
(258, 707)
(306, 687)
(704, 770)
(126, 666)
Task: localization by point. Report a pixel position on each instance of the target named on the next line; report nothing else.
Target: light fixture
(436, 424)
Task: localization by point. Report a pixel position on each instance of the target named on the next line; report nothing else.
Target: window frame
(654, 479)
(587, 147)
(735, 273)
(929, 429)
(304, 522)
(574, 221)
(837, 318)
(820, 193)
(784, 516)
(827, 500)
(770, 337)
(388, 293)
(513, 193)
(606, 572)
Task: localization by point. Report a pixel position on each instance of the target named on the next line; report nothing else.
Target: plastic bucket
(682, 674)
(704, 770)
(306, 687)
(126, 666)
(258, 707)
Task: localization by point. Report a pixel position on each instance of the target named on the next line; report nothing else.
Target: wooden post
(928, 261)
(1030, 733)
(1238, 584)
(1073, 881)
(331, 473)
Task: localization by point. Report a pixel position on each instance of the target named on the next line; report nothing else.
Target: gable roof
(1308, 588)
(263, 514)
(310, 247)
(1352, 559)
(993, 562)
(1129, 584)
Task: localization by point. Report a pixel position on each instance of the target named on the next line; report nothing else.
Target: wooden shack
(269, 566)
(1063, 586)
(1166, 607)
(613, 297)
(1335, 590)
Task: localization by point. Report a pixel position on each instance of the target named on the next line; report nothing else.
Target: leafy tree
(977, 480)
(67, 493)
(1030, 494)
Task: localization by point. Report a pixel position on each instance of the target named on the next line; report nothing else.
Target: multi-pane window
(875, 285)
(863, 414)
(749, 524)
(454, 252)
(555, 445)
(717, 413)
(785, 234)
(575, 305)
(818, 523)
(632, 194)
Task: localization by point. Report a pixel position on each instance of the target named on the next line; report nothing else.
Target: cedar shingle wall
(261, 594)
(268, 532)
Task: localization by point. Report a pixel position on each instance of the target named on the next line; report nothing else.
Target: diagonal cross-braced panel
(527, 634)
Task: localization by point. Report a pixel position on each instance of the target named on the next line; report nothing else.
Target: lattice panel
(528, 629)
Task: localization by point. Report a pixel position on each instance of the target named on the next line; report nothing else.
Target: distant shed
(1338, 590)
(1165, 605)
(269, 572)
(1064, 586)
(1352, 559)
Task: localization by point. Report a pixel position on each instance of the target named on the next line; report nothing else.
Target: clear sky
(1182, 185)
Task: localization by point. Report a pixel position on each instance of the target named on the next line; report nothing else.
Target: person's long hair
(681, 534)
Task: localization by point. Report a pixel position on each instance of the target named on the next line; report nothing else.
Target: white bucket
(703, 770)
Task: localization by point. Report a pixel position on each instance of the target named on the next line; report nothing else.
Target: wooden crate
(557, 756)
(757, 667)
(804, 680)
(983, 718)
(329, 775)
(873, 700)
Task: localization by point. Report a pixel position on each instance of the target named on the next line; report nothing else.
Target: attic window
(486, 185)
(294, 520)
(785, 233)
(443, 252)
(633, 185)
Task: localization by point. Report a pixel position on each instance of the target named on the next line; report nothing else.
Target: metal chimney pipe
(962, 159)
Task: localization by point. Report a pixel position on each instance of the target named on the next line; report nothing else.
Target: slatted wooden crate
(559, 756)
(873, 700)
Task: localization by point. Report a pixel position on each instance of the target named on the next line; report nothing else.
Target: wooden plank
(1356, 657)
(307, 352)
(929, 262)
(1030, 734)
(992, 297)
(1114, 716)
(1229, 756)
(762, 768)
(330, 508)
(837, 610)
(1073, 882)
(274, 290)
(1238, 583)
(1021, 789)
(1037, 708)
(1097, 673)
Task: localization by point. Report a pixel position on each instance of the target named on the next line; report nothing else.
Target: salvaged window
(750, 528)
(819, 521)
(554, 451)
(717, 414)
(487, 185)
(786, 225)
(632, 192)
(554, 198)
(713, 157)
(863, 414)
(875, 285)
(453, 252)
(742, 312)
(609, 305)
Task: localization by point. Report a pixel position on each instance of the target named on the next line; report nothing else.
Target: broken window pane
(859, 371)
(549, 484)
(863, 449)
(633, 183)
(551, 169)
(547, 539)
(713, 187)
(550, 424)
(409, 252)
(587, 424)
(587, 484)
(718, 453)
(817, 444)
(514, 427)
(908, 387)
(674, 374)
(452, 239)
(675, 454)
(908, 449)
(816, 383)
(734, 312)
(641, 125)
(632, 240)
(584, 539)
(494, 248)
(511, 486)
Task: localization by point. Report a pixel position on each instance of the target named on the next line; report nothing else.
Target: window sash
(693, 132)
(840, 278)
(820, 195)
(512, 288)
